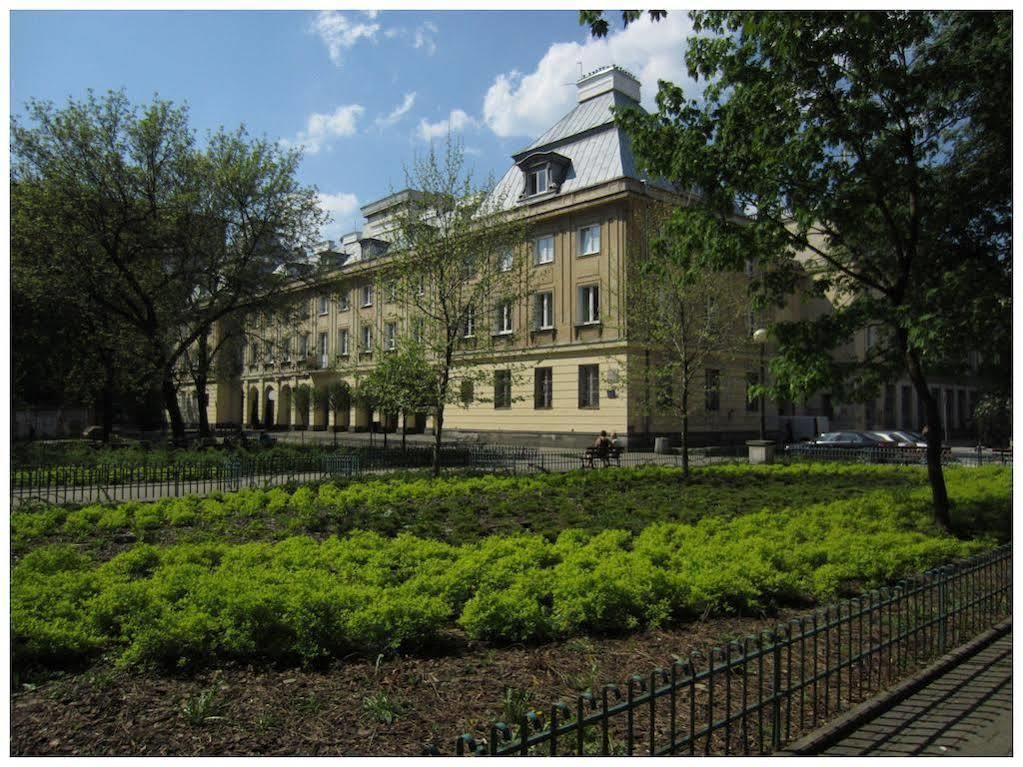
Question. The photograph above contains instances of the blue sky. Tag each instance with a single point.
(362, 92)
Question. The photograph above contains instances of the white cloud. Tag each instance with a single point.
(519, 104)
(343, 208)
(399, 111)
(322, 127)
(456, 122)
(423, 37)
(371, 14)
(338, 33)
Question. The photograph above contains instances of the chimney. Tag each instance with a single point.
(609, 78)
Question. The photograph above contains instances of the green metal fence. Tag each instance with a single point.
(754, 695)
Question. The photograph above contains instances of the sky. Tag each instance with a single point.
(362, 92)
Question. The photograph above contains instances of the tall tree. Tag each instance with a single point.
(687, 317)
(456, 260)
(870, 151)
(166, 235)
(402, 382)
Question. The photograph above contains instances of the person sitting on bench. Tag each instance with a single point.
(602, 448)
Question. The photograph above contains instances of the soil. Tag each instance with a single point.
(341, 710)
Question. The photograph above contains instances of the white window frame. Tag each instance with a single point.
(324, 306)
(592, 387)
(545, 310)
(323, 344)
(583, 250)
(367, 339)
(469, 330)
(506, 261)
(537, 256)
(503, 321)
(391, 334)
(589, 304)
(287, 349)
(303, 346)
(342, 342)
(367, 296)
(533, 178)
(343, 302)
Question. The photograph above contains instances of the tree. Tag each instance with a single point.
(165, 235)
(456, 258)
(870, 152)
(685, 316)
(303, 396)
(338, 396)
(402, 382)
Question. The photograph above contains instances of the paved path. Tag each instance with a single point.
(965, 712)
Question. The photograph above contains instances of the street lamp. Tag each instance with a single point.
(760, 339)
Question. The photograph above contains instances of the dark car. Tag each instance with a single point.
(847, 439)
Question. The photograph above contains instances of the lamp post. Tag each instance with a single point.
(760, 339)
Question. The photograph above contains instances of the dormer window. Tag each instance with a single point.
(542, 172)
(537, 181)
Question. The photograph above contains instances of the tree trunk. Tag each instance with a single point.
(404, 429)
(438, 426)
(935, 474)
(202, 397)
(685, 434)
(107, 402)
(170, 401)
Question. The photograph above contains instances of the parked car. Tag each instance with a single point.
(847, 439)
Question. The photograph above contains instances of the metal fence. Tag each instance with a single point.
(893, 455)
(752, 696)
(151, 481)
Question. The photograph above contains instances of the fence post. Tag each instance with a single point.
(942, 609)
(776, 696)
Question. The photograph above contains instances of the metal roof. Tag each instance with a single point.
(586, 116)
(598, 149)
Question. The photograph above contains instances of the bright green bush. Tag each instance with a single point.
(301, 600)
(464, 509)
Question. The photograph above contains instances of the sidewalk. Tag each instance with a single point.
(967, 711)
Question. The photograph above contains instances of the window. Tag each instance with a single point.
(544, 311)
(589, 304)
(505, 261)
(712, 389)
(343, 303)
(470, 322)
(543, 380)
(888, 406)
(303, 346)
(323, 305)
(749, 268)
(287, 349)
(544, 250)
(342, 342)
(323, 350)
(392, 292)
(468, 267)
(268, 352)
(665, 392)
(589, 240)
(503, 318)
(589, 386)
(391, 333)
(751, 322)
(367, 339)
(961, 408)
(421, 287)
(466, 392)
(367, 295)
(502, 389)
(418, 329)
(537, 181)
(752, 402)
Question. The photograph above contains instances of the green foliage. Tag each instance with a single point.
(461, 509)
(993, 417)
(381, 708)
(302, 600)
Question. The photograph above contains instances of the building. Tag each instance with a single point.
(579, 189)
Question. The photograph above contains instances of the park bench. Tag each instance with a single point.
(614, 455)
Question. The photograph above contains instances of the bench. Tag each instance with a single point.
(613, 455)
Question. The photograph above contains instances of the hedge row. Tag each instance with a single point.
(461, 509)
(303, 600)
